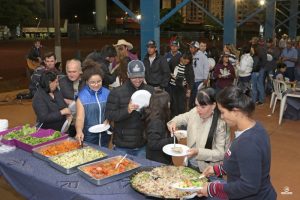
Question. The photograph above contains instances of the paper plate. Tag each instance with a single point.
(99, 128)
(66, 126)
(167, 149)
(185, 189)
(141, 98)
(211, 63)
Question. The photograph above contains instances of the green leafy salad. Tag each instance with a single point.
(36, 140)
(25, 130)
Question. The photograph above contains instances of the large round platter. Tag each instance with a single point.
(157, 181)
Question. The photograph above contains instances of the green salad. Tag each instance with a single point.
(25, 130)
(36, 140)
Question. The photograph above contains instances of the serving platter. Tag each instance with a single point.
(157, 181)
(67, 163)
(105, 171)
(56, 148)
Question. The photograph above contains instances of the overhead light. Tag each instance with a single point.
(262, 2)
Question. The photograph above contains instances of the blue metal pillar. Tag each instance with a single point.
(230, 9)
(293, 19)
(270, 20)
(150, 29)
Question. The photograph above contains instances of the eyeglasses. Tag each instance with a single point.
(93, 83)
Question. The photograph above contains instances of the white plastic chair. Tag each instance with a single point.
(283, 103)
(279, 88)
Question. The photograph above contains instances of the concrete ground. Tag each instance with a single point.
(284, 140)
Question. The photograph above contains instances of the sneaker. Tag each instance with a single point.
(259, 103)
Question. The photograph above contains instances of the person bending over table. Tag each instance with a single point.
(206, 132)
(247, 162)
(48, 103)
(91, 104)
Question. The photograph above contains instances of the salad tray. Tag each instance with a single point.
(67, 163)
(105, 171)
(40, 138)
(9, 136)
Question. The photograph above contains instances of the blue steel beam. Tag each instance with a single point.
(287, 19)
(208, 13)
(173, 11)
(293, 20)
(149, 23)
(230, 8)
(270, 20)
(123, 7)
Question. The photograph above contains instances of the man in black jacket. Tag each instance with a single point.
(157, 67)
(69, 87)
(128, 121)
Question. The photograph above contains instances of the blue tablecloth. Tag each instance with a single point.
(36, 179)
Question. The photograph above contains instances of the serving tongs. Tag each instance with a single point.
(202, 176)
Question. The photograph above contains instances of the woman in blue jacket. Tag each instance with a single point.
(91, 104)
(247, 162)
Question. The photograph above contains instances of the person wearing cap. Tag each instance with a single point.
(201, 70)
(123, 48)
(289, 56)
(128, 121)
(173, 56)
(157, 72)
(282, 41)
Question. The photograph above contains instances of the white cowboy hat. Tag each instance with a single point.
(124, 42)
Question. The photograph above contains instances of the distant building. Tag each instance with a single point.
(194, 15)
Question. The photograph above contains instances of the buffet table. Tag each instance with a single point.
(35, 179)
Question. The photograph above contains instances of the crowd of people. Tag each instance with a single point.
(200, 89)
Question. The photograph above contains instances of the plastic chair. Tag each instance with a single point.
(283, 103)
(279, 88)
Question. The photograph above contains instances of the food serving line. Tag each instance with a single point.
(48, 165)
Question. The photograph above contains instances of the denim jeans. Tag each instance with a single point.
(258, 88)
(139, 152)
(194, 94)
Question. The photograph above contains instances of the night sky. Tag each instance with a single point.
(84, 10)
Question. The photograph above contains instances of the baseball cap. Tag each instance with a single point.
(174, 43)
(151, 43)
(136, 69)
(195, 44)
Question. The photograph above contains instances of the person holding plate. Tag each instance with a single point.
(247, 162)
(128, 116)
(206, 132)
(91, 104)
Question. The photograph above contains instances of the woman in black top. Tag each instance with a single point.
(48, 103)
(156, 128)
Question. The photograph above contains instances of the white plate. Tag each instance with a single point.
(141, 98)
(211, 63)
(65, 127)
(185, 189)
(72, 107)
(99, 128)
(182, 133)
(167, 149)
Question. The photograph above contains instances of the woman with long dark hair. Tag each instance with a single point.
(247, 162)
(156, 128)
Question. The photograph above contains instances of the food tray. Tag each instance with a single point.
(41, 133)
(110, 162)
(70, 157)
(162, 177)
(37, 151)
(12, 141)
